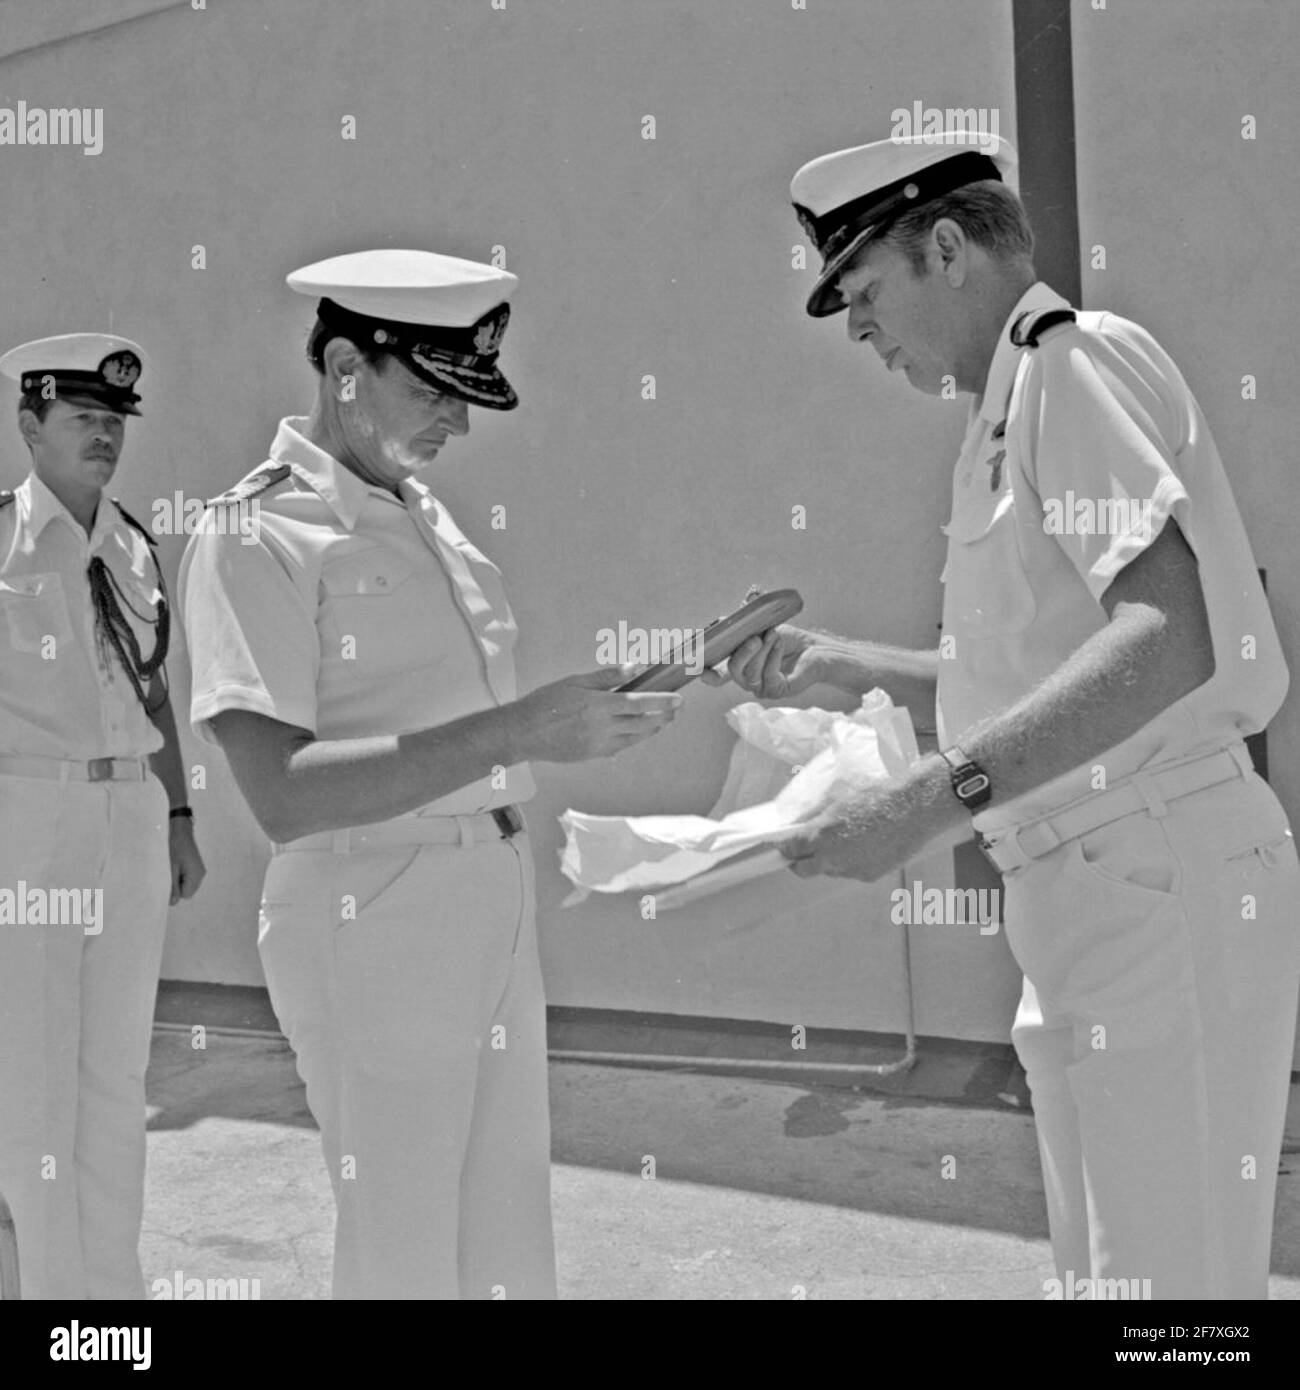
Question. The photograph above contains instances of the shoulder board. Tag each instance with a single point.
(251, 486)
(131, 521)
(6, 498)
(1029, 328)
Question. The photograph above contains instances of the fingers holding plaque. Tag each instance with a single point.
(758, 614)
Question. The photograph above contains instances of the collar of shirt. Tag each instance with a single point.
(1006, 356)
(338, 487)
(417, 495)
(41, 507)
(346, 494)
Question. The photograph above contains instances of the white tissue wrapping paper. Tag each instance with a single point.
(763, 800)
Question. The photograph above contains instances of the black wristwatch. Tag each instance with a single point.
(970, 783)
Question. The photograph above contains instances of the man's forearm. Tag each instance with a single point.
(1119, 680)
(329, 784)
(908, 677)
(166, 762)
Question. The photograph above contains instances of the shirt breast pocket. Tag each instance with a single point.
(141, 603)
(986, 590)
(373, 606)
(146, 596)
(33, 613)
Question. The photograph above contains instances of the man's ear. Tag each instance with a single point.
(29, 426)
(953, 250)
(344, 365)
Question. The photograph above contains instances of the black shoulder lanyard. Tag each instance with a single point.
(113, 627)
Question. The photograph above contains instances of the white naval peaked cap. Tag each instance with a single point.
(444, 317)
(419, 287)
(101, 366)
(846, 197)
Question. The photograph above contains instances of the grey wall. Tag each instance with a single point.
(478, 127)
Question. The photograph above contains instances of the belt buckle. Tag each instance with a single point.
(986, 849)
(1007, 842)
(508, 820)
(100, 770)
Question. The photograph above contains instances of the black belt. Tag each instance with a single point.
(508, 819)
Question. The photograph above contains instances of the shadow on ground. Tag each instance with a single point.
(886, 1156)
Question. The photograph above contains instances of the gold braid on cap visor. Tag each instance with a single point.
(453, 376)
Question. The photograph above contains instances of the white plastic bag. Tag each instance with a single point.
(763, 801)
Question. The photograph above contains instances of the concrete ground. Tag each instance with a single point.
(760, 1189)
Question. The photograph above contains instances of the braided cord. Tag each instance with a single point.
(112, 624)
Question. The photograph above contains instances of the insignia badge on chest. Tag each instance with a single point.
(995, 463)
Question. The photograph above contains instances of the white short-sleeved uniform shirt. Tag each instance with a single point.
(63, 691)
(1076, 455)
(347, 611)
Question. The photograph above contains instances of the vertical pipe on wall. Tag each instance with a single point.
(1045, 138)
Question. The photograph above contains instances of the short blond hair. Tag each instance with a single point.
(990, 214)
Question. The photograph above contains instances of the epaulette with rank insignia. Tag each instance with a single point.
(1028, 329)
(251, 486)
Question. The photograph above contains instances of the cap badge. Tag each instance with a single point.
(120, 369)
(807, 223)
(488, 338)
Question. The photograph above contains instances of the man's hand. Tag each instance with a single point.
(188, 869)
(781, 662)
(582, 717)
(879, 829)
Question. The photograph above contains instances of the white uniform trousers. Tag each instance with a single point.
(76, 1016)
(1162, 958)
(407, 981)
